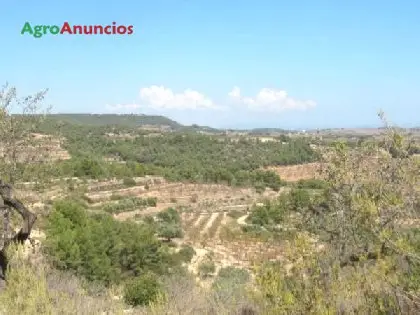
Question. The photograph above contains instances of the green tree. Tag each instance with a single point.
(170, 231)
(142, 290)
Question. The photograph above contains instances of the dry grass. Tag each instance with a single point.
(37, 289)
(294, 173)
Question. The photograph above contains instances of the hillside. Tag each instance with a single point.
(113, 119)
(208, 217)
(136, 219)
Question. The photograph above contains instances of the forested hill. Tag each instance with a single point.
(126, 120)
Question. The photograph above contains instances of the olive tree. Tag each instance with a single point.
(20, 149)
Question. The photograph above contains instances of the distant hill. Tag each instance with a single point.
(114, 119)
(202, 129)
(267, 131)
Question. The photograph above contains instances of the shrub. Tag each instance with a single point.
(170, 231)
(129, 182)
(169, 215)
(116, 197)
(194, 198)
(186, 253)
(259, 187)
(142, 290)
(149, 219)
(129, 204)
(299, 199)
(99, 248)
(206, 268)
(312, 184)
(151, 201)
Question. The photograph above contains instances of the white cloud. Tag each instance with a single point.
(270, 100)
(235, 93)
(159, 97)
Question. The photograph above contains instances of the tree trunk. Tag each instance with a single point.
(6, 203)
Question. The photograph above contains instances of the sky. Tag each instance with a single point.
(298, 64)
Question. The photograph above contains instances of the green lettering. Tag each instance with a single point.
(26, 28)
(38, 31)
(54, 30)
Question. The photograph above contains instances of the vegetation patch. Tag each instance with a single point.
(129, 204)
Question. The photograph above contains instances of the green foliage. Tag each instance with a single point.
(299, 200)
(186, 253)
(129, 182)
(169, 224)
(231, 276)
(177, 156)
(270, 213)
(311, 184)
(92, 166)
(259, 187)
(273, 213)
(170, 230)
(129, 204)
(367, 219)
(169, 215)
(100, 248)
(117, 121)
(115, 197)
(142, 290)
(206, 268)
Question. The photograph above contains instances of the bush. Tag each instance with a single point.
(129, 204)
(299, 200)
(194, 198)
(312, 184)
(259, 187)
(170, 231)
(270, 213)
(142, 290)
(186, 253)
(151, 201)
(169, 215)
(129, 182)
(149, 219)
(116, 197)
(99, 248)
(206, 269)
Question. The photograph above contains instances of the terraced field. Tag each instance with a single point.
(204, 209)
(293, 173)
(203, 233)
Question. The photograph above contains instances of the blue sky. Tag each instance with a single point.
(224, 63)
